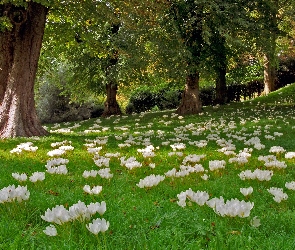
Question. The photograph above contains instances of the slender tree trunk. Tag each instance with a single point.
(269, 74)
(190, 101)
(111, 106)
(221, 91)
(19, 54)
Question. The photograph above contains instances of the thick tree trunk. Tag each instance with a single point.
(269, 74)
(19, 54)
(190, 102)
(111, 106)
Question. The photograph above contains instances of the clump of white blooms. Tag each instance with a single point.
(199, 197)
(50, 230)
(267, 158)
(193, 158)
(79, 211)
(277, 150)
(290, 185)
(105, 173)
(246, 191)
(275, 164)
(278, 194)
(216, 164)
(147, 152)
(56, 152)
(178, 146)
(19, 177)
(231, 208)
(94, 150)
(255, 141)
(12, 193)
(26, 146)
(91, 173)
(98, 225)
(37, 176)
(130, 163)
(290, 155)
(101, 161)
(150, 181)
(56, 162)
(93, 190)
(57, 166)
(261, 175)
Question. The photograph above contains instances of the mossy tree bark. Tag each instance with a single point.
(19, 54)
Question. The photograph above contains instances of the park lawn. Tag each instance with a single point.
(151, 217)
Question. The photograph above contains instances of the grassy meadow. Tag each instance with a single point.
(151, 217)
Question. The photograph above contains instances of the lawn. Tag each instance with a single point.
(168, 182)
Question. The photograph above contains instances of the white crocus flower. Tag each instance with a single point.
(98, 225)
(246, 191)
(50, 230)
(37, 176)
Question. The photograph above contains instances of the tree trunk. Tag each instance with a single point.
(190, 101)
(19, 54)
(111, 106)
(221, 91)
(269, 74)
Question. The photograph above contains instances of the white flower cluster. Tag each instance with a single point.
(93, 190)
(151, 180)
(255, 141)
(231, 208)
(147, 152)
(130, 163)
(94, 150)
(37, 176)
(261, 175)
(200, 197)
(57, 166)
(290, 185)
(277, 149)
(79, 211)
(26, 146)
(290, 155)
(278, 194)
(184, 171)
(246, 191)
(98, 225)
(178, 146)
(50, 230)
(101, 160)
(192, 158)
(275, 164)
(12, 193)
(216, 164)
(19, 177)
(104, 173)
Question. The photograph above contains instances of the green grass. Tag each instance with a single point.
(150, 218)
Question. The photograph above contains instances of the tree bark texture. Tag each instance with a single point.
(19, 54)
(220, 82)
(190, 101)
(269, 74)
(111, 106)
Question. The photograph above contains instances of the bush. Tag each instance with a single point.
(141, 100)
(53, 107)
